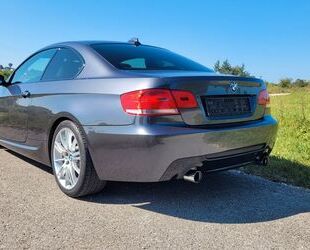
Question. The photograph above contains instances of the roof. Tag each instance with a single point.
(88, 42)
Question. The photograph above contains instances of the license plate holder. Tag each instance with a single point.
(227, 106)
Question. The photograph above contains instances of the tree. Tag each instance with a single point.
(227, 68)
(285, 83)
(300, 83)
(6, 73)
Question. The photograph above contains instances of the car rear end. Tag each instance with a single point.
(207, 123)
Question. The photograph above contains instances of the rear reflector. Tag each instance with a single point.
(263, 98)
(152, 102)
(184, 99)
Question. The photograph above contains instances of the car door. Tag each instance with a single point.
(4, 110)
(8, 103)
(15, 101)
(54, 91)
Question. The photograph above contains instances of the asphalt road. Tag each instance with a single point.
(227, 211)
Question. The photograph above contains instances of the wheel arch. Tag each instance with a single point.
(54, 124)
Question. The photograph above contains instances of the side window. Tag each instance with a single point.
(33, 69)
(65, 65)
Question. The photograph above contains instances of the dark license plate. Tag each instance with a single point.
(227, 106)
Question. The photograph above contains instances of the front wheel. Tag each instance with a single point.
(71, 162)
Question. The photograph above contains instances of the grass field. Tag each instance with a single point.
(290, 159)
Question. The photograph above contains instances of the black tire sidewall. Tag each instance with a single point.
(83, 163)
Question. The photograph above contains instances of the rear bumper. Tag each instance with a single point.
(160, 152)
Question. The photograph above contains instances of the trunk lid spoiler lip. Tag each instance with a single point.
(189, 74)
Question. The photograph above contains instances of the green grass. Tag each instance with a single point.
(290, 159)
(273, 88)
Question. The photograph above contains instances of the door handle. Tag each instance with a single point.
(26, 94)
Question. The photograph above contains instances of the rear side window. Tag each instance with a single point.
(131, 57)
(65, 65)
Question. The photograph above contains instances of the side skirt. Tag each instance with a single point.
(33, 149)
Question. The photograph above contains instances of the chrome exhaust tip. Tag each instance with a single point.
(264, 160)
(193, 176)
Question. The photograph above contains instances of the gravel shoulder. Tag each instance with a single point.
(228, 210)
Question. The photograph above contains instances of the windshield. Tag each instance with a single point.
(131, 57)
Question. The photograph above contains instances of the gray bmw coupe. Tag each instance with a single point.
(97, 111)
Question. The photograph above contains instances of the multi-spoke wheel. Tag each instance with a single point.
(71, 162)
(66, 158)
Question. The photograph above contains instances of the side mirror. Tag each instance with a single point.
(2, 81)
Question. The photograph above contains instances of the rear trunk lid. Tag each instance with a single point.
(221, 99)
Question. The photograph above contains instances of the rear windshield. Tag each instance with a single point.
(131, 57)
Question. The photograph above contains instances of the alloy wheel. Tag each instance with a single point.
(66, 158)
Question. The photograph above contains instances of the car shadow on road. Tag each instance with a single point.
(225, 197)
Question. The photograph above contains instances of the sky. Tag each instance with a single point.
(272, 38)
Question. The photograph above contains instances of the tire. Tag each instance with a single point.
(72, 165)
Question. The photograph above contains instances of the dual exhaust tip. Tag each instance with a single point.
(193, 176)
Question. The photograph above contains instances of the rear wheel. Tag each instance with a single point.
(72, 165)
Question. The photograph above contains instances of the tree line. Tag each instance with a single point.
(226, 68)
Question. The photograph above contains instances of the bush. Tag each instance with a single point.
(301, 83)
(285, 83)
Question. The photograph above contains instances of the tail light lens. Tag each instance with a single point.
(184, 99)
(152, 102)
(263, 98)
